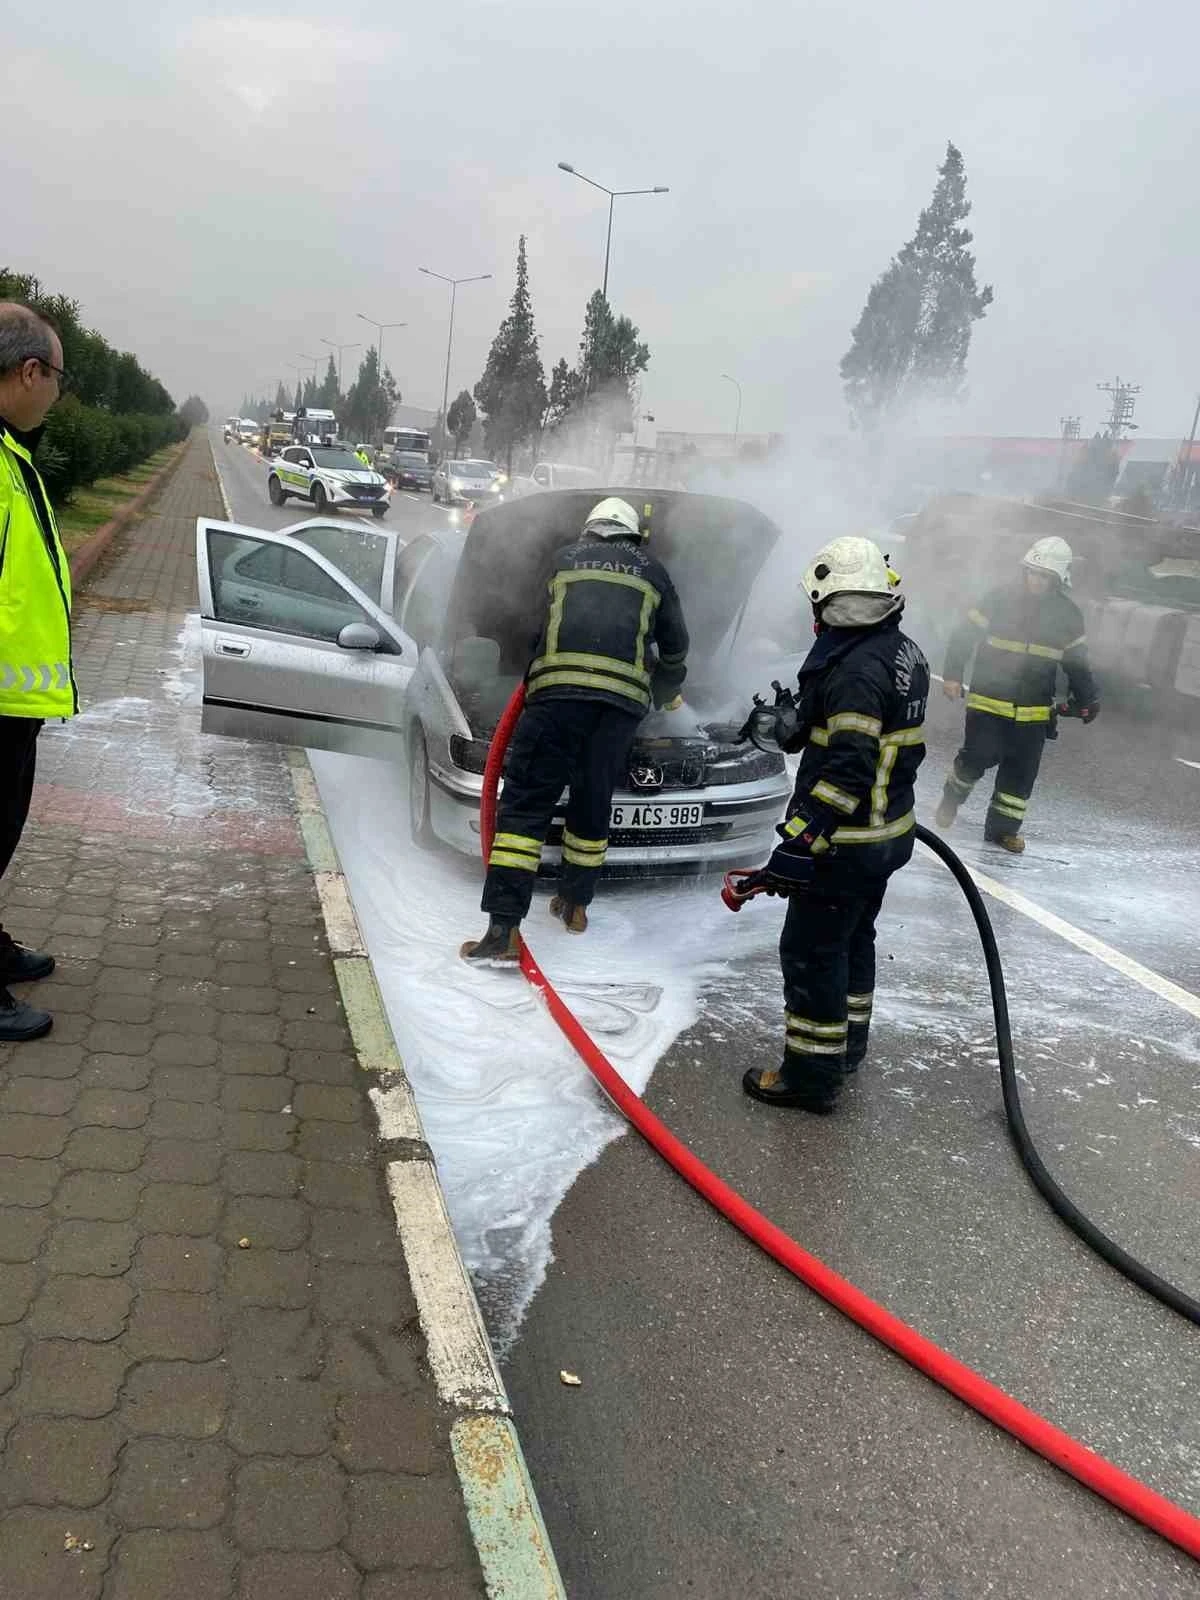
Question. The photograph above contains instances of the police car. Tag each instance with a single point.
(328, 475)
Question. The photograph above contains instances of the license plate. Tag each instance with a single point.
(656, 816)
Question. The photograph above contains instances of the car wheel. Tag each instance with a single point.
(378, 512)
(419, 824)
(320, 499)
(275, 491)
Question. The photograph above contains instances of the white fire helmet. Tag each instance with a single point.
(1052, 555)
(614, 519)
(849, 565)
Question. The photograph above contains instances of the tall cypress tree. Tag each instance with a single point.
(912, 339)
(512, 392)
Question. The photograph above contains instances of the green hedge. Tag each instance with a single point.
(82, 443)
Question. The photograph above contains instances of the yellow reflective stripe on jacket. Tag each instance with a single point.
(853, 722)
(875, 835)
(1006, 708)
(818, 736)
(883, 776)
(594, 575)
(1074, 644)
(590, 680)
(1019, 647)
(977, 617)
(833, 796)
(905, 736)
(578, 658)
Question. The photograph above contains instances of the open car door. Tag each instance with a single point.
(293, 651)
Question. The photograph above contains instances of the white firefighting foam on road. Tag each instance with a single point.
(510, 1111)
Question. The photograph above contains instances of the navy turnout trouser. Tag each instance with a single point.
(580, 745)
(1015, 749)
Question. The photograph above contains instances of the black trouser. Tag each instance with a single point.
(582, 745)
(1015, 748)
(827, 953)
(18, 756)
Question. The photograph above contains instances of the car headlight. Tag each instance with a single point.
(456, 485)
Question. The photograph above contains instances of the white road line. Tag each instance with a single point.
(1125, 965)
(1183, 760)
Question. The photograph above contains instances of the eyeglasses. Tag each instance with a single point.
(63, 377)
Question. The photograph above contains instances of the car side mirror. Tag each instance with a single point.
(358, 636)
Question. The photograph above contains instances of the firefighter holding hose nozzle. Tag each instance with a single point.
(858, 717)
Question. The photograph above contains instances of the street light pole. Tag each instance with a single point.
(737, 426)
(613, 195)
(379, 327)
(454, 283)
(339, 348)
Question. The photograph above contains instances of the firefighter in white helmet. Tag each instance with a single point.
(858, 717)
(613, 641)
(1021, 635)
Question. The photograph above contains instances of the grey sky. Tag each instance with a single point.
(221, 189)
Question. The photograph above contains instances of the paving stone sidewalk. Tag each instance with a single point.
(183, 1416)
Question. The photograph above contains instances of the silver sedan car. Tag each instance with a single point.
(346, 638)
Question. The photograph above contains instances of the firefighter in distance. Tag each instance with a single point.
(1021, 634)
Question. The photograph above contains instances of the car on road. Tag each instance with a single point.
(230, 429)
(561, 475)
(249, 431)
(341, 637)
(471, 482)
(328, 475)
(408, 469)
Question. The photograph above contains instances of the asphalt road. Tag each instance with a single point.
(732, 1434)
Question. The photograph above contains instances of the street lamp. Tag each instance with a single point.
(737, 426)
(339, 348)
(613, 194)
(454, 283)
(380, 328)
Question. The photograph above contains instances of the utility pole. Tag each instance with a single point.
(1069, 432)
(1123, 398)
(1185, 477)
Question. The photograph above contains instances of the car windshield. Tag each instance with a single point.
(336, 459)
(475, 469)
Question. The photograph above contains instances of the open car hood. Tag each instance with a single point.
(713, 548)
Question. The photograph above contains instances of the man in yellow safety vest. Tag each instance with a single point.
(36, 678)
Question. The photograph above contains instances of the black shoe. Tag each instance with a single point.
(18, 965)
(19, 1022)
(767, 1084)
(499, 947)
(572, 916)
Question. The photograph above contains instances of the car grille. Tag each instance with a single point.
(365, 491)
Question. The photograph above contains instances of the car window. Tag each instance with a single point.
(408, 564)
(540, 475)
(278, 587)
(428, 598)
(357, 552)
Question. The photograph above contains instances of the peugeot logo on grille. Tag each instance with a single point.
(646, 777)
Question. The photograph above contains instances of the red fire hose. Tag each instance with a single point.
(1057, 1447)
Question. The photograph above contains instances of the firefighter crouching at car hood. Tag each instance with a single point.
(1021, 634)
(612, 641)
(858, 717)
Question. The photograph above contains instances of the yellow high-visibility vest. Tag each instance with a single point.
(36, 679)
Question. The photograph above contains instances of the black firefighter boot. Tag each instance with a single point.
(499, 947)
(818, 1092)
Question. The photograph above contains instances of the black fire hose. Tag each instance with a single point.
(1046, 1186)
